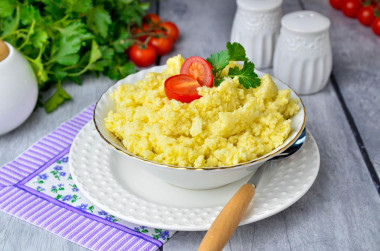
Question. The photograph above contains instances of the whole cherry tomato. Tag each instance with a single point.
(171, 30)
(152, 18)
(162, 44)
(182, 88)
(142, 56)
(366, 15)
(350, 8)
(336, 4)
(376, 26)
(199, 69)
(145, 27)
(136, 31)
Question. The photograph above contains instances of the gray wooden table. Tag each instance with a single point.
(342, 209)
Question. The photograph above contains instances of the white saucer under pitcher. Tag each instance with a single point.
(18, 88)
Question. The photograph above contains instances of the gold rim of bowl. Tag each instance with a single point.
(260, 159)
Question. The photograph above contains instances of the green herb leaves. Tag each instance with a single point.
(247, 77)
(68, 43)
(218, 61)
(56, 99)
(64, 39)
(235, 52)
(98, 20)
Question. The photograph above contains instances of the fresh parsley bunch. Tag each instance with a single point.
(63, 39)
(235, 52)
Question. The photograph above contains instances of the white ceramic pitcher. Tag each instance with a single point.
(18, 88)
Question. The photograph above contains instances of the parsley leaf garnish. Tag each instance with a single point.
(235, 52)
(219, 60)
(247, 77)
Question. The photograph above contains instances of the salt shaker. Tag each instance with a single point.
(18, 88)
(303, 56)
(256, 26)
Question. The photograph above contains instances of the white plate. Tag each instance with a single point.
(128, 192)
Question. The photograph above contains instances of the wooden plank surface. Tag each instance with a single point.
(356, 67)
(340, 212)
(324, 218)
(209, 28)
(15, 234)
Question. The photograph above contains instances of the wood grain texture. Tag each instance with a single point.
(39, 123)
(356, 65)
(329, 216)
(228, 220)
(16, 234)
(340, 212)
(204, 25)
(19, 235)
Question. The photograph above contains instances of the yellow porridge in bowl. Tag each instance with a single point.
(228, 125)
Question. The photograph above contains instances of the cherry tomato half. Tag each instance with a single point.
(151, 18)
(376, 26)
(350, 8)
(171, 30)
(162, 44)
(199, 69)
(182, 88)
(336, 4)
(366, 15)
(142, 56)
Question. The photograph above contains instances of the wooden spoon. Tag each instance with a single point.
(228, 220)
(4, 50)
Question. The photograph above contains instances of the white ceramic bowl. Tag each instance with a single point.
(189, 177)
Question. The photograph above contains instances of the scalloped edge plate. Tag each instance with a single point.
(106, 178)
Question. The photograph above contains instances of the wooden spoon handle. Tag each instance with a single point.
(228, 219)
(4, 50)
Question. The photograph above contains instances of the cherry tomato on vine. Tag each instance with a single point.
(145, 27)
(136, 31)
(366, 15)
(336, 4)
(376, 26)
(142, 56)
(163, 45)
(350, 8)
(182, 88)
(199, 69)
(152, 18)
(171, 30)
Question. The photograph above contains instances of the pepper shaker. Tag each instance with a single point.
(256, 26)
(303, 56)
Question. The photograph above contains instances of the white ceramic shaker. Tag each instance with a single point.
(256, 26)
(303, 56)
(18, 88)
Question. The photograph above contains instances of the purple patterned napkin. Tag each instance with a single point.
(37, 187)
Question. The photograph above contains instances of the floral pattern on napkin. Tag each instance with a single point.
(56, 182)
